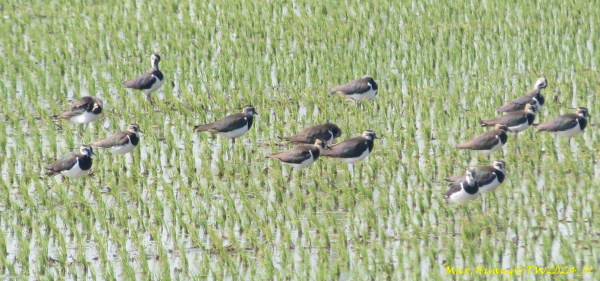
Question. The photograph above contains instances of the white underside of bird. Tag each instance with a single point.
(75, 171)
(84, 118)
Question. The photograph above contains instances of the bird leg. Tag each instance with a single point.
(150, 99)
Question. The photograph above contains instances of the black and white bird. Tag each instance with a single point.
(488, 178)
(516, 121)
(149, 81)
(359, 90)
(487, 142)
(73, 164)
(327, 132)
(300, 156)
(83, 110)
(121, 142)
(232, 126)
(353, 150)
(464, 191)
(568, 125)
(520, 102)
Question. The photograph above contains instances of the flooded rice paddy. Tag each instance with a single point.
(186, 205)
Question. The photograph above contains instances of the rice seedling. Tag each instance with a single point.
(185, 205)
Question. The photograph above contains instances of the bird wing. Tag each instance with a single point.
(559, 123)
(144, 82)
(484, 141)
(510, 119)
(485, 175)
(229, 123)
(350, 148)
(518, 103)
(454, 187)
(66, 162)
(77, 107)
(358, 86)
(295, 155)
(310, 135)
(117, 139)
(453, 179)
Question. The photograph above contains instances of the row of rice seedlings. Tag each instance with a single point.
(423, 178)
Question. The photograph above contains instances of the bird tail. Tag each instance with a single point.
(541, 127)
(333, 91)
(50, 172)
(452, 179)
(485, 123)
(60, 116)
(129, 84)
(202, 128)
(504, 108)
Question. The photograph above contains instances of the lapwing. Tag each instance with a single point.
(327, 132)
(232, 126)
(516, 121)
(464, 191)
(83, 110)
(121, 142)
(353, 150)
(359, 90)
(301, 156)
(568, 125)
(487, 142)
(73, 164)
(149, 81)
(520, 102)
(488, 178)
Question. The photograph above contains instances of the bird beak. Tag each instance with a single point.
(141, 131)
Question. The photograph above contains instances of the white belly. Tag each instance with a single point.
(364, 155)
(84, 118)
(570, 132)
(490, 186)
(122, 149)
(75, 172)
(463, 197)
(235, 133)
(519, 128)
(371, 94)
(155, 86)
(495, 148)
